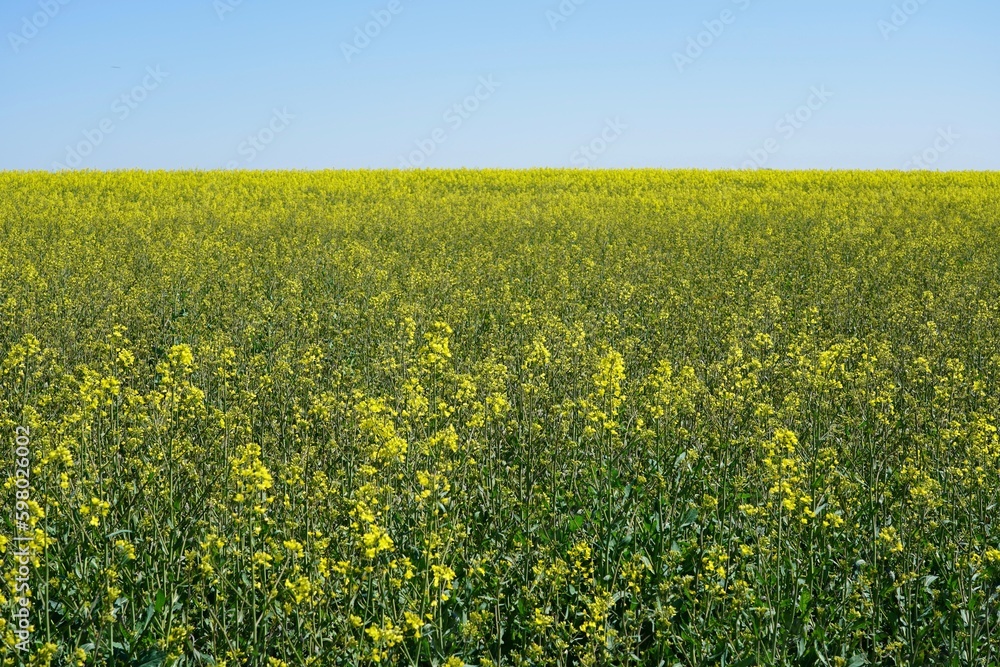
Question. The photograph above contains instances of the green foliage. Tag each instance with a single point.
(503, 418)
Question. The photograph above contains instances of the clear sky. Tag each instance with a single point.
(208, 84)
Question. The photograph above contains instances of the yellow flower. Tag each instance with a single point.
(295, 547)
(888, 538)
(443, 575)
(414, 623)
(300, 588)
(127, 549)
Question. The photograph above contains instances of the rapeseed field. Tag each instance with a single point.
(500, 418)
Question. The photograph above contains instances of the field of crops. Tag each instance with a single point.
(500, 418)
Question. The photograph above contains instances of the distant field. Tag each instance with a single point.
(501, 418)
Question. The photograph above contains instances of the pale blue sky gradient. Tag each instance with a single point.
(606, 78)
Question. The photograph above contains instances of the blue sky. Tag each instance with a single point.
(208, 84)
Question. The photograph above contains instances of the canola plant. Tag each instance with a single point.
(500, 418)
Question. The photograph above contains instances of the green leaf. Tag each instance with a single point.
(689, 517)
(141, 628)
(804, 599)
(153, 658)
(160, 601)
